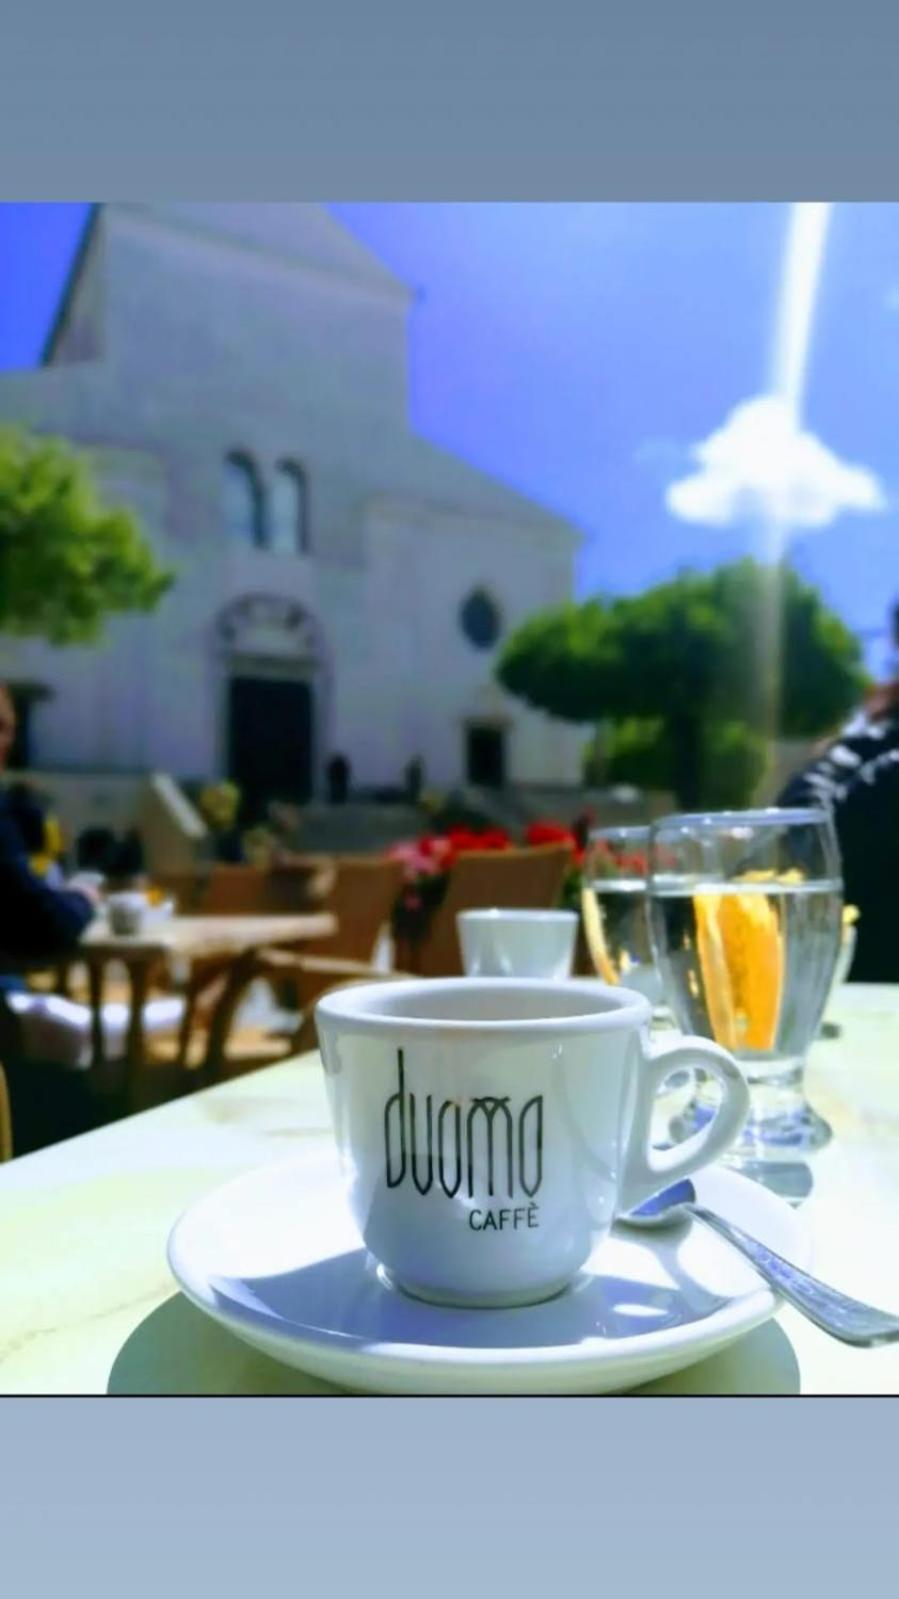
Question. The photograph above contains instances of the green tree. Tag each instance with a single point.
(66, 559)
(697, 674)
(732, 759)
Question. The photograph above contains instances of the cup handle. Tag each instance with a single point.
(648, 1170)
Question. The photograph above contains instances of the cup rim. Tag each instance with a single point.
(627, 1008)
(495, 913)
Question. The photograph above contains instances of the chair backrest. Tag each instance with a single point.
(306, 1036)
(184, 888)
(286, 890)
(224, 890)
(527, 879)
(362, 899)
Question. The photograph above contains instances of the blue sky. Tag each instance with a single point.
(583, 351)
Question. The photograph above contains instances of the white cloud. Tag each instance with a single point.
(760, 467)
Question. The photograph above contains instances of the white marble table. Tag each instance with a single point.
(87, 1304)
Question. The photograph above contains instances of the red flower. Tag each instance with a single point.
(432, 855)
(494, 838)
(435, 849)
(462, 839)
(423, 857)
(548, 832)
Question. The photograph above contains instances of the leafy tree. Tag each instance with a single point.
(701, 670)
(66, 560)
(732, 759)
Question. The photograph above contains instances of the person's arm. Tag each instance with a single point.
(37, 921)
(857, 756)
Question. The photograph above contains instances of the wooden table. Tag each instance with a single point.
(88, 1305)
(190, 937)
(184, 941)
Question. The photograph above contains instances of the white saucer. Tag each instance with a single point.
(275, 1257)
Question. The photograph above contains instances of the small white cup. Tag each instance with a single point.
(517, 943)
(490, 1130)
(127, 913)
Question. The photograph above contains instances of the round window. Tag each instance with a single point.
(480, 620)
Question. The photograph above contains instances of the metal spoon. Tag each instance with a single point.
(835, 1313)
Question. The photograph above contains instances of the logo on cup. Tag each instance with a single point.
(422, 1146)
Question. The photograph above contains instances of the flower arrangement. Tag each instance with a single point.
(426, 865)
(427, 862)
(219, 804)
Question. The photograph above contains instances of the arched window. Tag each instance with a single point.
(480, 620)
(290, 509)
(244, 499)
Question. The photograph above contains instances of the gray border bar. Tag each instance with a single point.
(502, 100)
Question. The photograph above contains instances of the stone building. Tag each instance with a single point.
(239, 376)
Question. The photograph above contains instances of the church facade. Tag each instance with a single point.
(238, 375)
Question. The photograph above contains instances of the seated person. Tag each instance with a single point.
(856, 777)
(37, 922)
(95, 851)
(38, 830)
(36, 919)
(44, 1036)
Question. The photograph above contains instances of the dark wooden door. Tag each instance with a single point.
(270, 741)
(485, 756)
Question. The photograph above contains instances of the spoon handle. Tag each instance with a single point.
(835, 1313)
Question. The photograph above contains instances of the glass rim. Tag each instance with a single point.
(785, 815)
(626, 830)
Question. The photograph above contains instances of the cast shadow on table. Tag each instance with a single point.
(178, 1350)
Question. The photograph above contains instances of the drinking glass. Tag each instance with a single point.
(614, 909)
(745, 911)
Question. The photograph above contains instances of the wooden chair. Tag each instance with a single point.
(39, 1103)
(521, 878)
(206, 1049)
(208, 1044)
(184, 889)
(220, 1050)
(286, 889)
(173, 1061)
(5, 1120)
(362, 899)
(289, 888)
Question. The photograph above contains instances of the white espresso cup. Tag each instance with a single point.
(517, 943)
(490, 1130)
